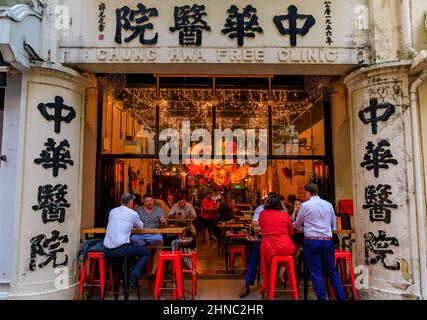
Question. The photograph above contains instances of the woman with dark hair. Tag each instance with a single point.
(277, 230)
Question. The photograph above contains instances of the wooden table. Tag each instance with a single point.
(177, 231)
(180, 219)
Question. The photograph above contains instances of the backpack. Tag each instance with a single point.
(90, 246)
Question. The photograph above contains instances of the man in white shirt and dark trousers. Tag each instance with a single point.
(319, 220)
(121, 221)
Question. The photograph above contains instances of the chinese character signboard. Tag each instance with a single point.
(292, 31)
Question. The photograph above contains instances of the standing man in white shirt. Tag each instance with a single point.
(319, 220)
(121, 221)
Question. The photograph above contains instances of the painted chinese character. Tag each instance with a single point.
(240, 25)
(55, 157)
(48, 248)
(51, 200)
(58, 108)
(189, 21)
(370, 114)
(101, 16)
(377, 249)
(377, 158)
(292, 17)
(137, 22)
(378, 202)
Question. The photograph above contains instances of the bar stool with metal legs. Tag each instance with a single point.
(288, 261)
(91, 259)
(122, 270)
(345, 258)
(234, 250)
(178, 288)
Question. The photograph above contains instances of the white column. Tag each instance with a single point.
(38, 237)
(384, 198)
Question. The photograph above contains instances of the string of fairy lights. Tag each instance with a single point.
(235, 108)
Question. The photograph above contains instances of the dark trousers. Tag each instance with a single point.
(253, 263)
(128, 250)
(319, 254)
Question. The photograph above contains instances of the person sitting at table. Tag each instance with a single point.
(170, 201)
(182, 209)
(137, 202)
(153, 218)
(224, 211)
(121, 221)
(290, 203)
(319, 220)
(208, 216)
(277, 230)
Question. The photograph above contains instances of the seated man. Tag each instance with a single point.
(153, 218)
(121, 221)
(182, 209)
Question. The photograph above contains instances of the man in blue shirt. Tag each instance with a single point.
(319, 220)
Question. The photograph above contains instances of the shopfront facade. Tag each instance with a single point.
(76, 73)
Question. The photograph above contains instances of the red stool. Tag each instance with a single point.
(343, 256)
(288, 261)
(174, 257)
(236, 249)
(193, 271)
(92, 257)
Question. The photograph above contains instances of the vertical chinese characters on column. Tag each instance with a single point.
(51, 199)
(378, 197)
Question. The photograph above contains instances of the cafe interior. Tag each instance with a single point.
(133, 112)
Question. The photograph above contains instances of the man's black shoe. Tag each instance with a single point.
(152, 277)
(133, 282)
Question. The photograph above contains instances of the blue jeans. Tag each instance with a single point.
(253, 263)
(127, 250)
(143, 239)
(318, 254)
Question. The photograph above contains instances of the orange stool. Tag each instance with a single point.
(236, 249)
(193, 271)
(92, 257)
(174, 257)
(288, 261)
(343, 256)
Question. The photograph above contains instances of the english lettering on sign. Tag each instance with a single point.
(187, 55)
(126, 54)
(240, 55)
(310, 55)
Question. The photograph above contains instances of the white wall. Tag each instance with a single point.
(8, 174)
